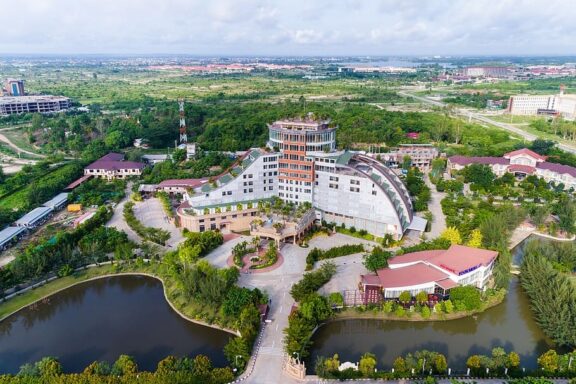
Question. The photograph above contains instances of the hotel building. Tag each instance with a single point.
(301, 165)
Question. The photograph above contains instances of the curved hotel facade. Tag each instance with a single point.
(301, 164)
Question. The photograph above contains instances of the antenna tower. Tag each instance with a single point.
(183, 136)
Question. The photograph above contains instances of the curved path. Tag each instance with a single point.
(6, 140)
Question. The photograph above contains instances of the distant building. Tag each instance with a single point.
(155, 159)
(14, 87)
(421, 155)
(532, 105)
(433, 272)
(112, 166)
(32, 104)
(520, 163)
(487, 71)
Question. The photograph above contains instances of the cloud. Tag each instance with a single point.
(279, 27)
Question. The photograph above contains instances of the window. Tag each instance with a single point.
(202, 228)
(374, 193)
(355, 182)
(354, 189)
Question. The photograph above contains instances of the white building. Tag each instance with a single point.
(112, 166)
(532, 105)
(344, 187)
(520, 163)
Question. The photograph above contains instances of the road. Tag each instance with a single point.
(435, 207)
(466, 113)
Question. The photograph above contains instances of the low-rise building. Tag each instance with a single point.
(10, 235)
(520, 163)
(34, 218)
(112, 166)
(57, 202)
(433, 272)
(421, 155)
(173, 186)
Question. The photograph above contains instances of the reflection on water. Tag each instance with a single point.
(102, 319)
(509, 325)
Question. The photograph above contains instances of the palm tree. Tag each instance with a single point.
(256, 243)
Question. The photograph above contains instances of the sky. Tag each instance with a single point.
(289, 27)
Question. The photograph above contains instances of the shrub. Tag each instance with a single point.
(312, 281)
(467, 297)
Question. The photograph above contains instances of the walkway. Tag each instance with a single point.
(434, 206)
(117, 221)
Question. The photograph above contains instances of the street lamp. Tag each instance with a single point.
(423, 365)
(236, 362)
(297, 356)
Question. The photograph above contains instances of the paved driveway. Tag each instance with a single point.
(434, 206)
(277, 283)
(151, 213)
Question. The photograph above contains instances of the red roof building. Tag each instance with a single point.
(433, 271)
(112, 166)
(521, 163)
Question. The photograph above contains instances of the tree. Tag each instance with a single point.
(125, 365)
(513, 360)
(422, 297)
(332, 363)
(448, 306)
(440, 364)
(377, 259)
(474, 362)
(566, 210)
(539, 214)
(468, 295)
(367, 364)
(237, 352)
(179, 155)
(480, 174)
(49, 366)
(167, 365)
(315, 307)
(548, 361)
(475, 240)
(405, 297)
(400, 365)
(406, 162)
(452, 234)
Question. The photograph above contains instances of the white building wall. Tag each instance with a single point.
(258, 181)
(357, 202)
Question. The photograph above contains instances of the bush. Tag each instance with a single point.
(312, 281)
(466, 297)
(317, 254)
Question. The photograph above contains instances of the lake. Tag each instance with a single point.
(509, 325)
(102, 319)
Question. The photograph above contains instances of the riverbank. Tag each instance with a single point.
(354, 314)
(94, 272)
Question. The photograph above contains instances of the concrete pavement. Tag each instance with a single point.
(434, 206)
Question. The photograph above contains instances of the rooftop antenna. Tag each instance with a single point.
(183, 136)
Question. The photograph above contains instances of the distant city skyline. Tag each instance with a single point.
(294, 28)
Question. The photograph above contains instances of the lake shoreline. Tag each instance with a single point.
(103, 276)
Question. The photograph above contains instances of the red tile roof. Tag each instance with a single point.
(115, 165)
(185, 183)
(447, 283)
(521, 168)
(459, 258)
(113, 161)
(558, 168)
(415, 256)
(525, 151)
(408, 276)
(464, 160)
(76, 183)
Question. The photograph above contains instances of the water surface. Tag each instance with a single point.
(101, 319)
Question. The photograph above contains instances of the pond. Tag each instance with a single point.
(509, 325)
(102, 319)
